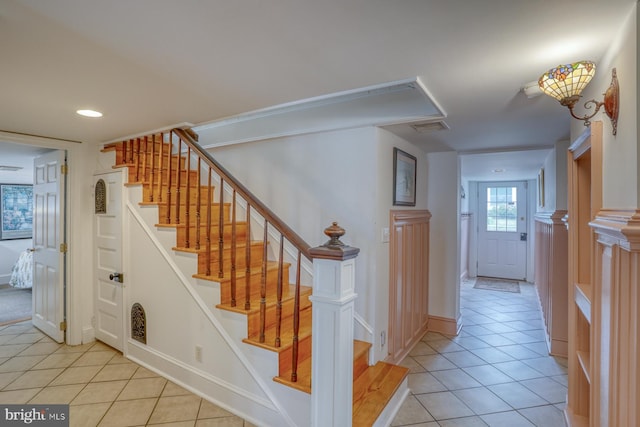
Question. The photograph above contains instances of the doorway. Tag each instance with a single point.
(502, 230)
(108, 276)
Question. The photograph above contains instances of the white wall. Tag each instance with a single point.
(621, 189)
(444, 249)
(386, 142)
(555, 179)
(344, 176)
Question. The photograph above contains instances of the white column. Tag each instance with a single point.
(332, 339)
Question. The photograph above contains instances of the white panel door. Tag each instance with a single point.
(48, 236)
(502, 226)
(108, 261)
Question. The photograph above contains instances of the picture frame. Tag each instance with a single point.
(404, 178)
(541, 188)
(16, 211)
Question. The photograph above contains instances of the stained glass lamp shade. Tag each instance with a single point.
(566, 82)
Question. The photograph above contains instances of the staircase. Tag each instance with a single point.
(217, 218)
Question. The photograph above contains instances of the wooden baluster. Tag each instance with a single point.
(263, 284)
(169, 157)
(233, 250)
(144, 160)
(187, 198)
(198, 204)
(130, 151)
(279, 292)
(124, 152)
(247, 277)
(221, 231)
(137, 143)
(153, 167)
(296, 324)
(160, 167)
(178, 185)
(209, 209)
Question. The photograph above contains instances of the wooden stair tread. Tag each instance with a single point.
(240, 274)
(303, 383)
(286, 333)
(288, 293)
(241, 246)
(373, 389)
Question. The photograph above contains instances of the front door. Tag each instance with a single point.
(49, 184)
(108, 259)
(502, 226)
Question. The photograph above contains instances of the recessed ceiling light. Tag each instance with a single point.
(498, 170)
(89, 113)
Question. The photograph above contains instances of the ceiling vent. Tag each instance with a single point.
(430, 126)
(10, 168)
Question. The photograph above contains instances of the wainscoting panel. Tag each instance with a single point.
(616, 323)
(551, 252)
(409, 280)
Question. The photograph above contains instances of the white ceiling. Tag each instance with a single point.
(148, 64)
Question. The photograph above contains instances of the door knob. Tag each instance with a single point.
(116, 277)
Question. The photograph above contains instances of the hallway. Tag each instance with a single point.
(497, 372)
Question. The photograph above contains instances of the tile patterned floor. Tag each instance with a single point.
(102, 387)
(497, 372)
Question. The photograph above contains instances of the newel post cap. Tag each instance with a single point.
(334, 248)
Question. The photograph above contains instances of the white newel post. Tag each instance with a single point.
(332, 337)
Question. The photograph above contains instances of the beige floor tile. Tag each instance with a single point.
(94, 358)
(18, 396)
(7, 378)
(57, 361)
(191, 423)
(100, 346)
(176, 408)
(99, 392)
(6, 337)
(119, 358)
(211, 410)
(33, 379)
(221, 422)
(128, 413)
(29, 338)
(62, 394)
(172, 389)
(115, 372)
(144, 373)
(78, 375)
(411, 412)
(20, 363)
(74, 348)
(87, 415)
(143, 388)
(10, 350)
(41, 348)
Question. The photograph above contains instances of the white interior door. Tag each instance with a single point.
(502, 226)
(108, 260)
(48, 239)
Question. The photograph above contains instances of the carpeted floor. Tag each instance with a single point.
(15, 304)
(502, 285)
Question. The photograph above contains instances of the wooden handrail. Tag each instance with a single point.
(255, 203)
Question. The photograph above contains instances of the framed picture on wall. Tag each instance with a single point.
(404, 178)
(16, 209)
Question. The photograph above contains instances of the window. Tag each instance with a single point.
(502, 209)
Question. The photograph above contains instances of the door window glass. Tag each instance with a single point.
(502, 209)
